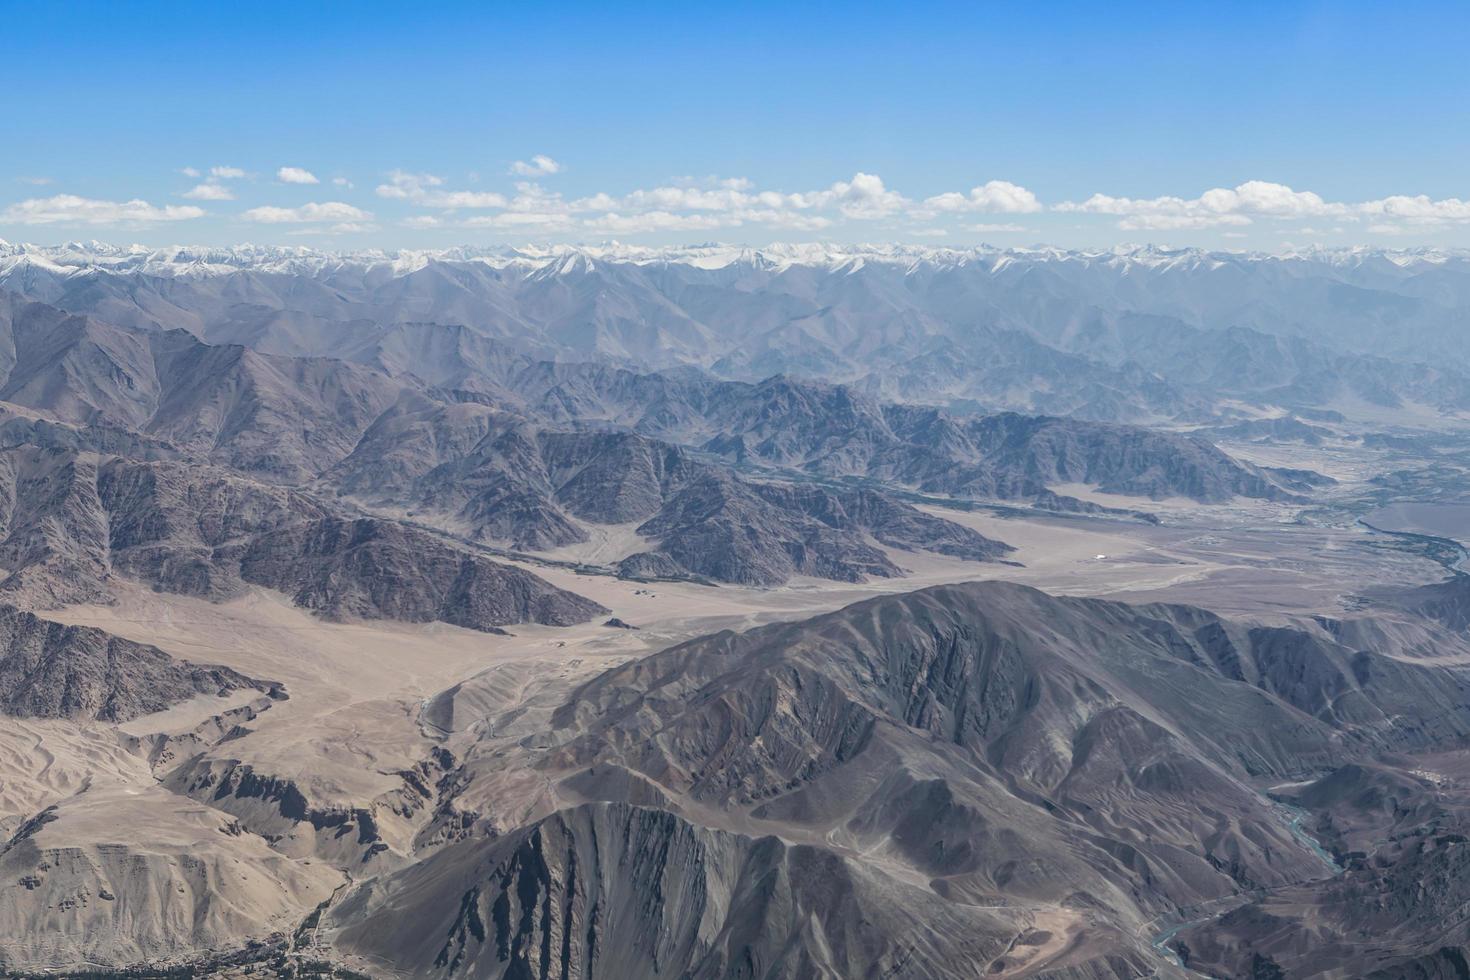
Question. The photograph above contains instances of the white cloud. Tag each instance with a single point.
(676, 198)
(189, 171)
(710, 203)
(699, 204)
(703, 205)
(70, 209)
(1218, 206)
(342, 228)
(296, 175)
(404, 186)
(533, 195)
(1264, 199)
(539, 166)
(424, 191)
(36, 181)
(1000, 196)
(722, 204)
(690, 204)
(864, 197)
(1418, 209)
(1157, 212)
(335, 211)
(208, 191)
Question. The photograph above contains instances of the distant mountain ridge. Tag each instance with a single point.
(727, 480)
(1031, 330)
(203, 260)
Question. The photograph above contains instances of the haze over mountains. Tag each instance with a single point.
(1127, 334)
(845, 612)
(519, 451)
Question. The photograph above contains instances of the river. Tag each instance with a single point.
(1293, 817)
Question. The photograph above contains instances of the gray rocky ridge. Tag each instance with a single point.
(51, 670)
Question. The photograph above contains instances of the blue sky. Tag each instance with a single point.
(1232, 125)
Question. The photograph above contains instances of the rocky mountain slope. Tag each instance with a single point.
(529, 456)
(609, 890)
(290, 418)
(1446, 602)
(377, 570)
(283, 418)
(1410, 891)
(49, 670)
(503, 479)
(839, 430)
(1023, 783)
(73, 521)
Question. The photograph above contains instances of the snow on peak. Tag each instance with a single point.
(75, 258)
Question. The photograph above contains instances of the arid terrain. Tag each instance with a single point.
(450, 651)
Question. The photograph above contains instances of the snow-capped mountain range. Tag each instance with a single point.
(1133, 333)
(211, 260)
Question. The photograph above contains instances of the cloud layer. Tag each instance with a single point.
(686, 205)
(863, 204)
(327, 211)
(1255, 199)
(70, 209)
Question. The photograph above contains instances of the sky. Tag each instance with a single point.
(377, 125)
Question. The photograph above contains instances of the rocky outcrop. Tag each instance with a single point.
(870, 717)
(168, 522)
(53, 528)
(1446, 602)
(954, 760)
(1012, 455)
(839, 431)
(285, 419)
(197, 886)
(374, 569)
(720, 528)
(71, 522)
(613, 891)
(531, 487)
(1395, 908)
(728, 530)
(49, 670)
